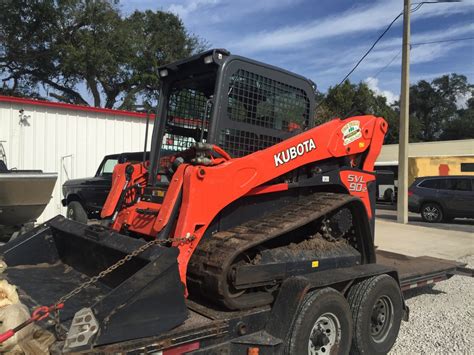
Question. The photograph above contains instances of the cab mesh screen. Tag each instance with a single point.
(187, 123)
(262, 102)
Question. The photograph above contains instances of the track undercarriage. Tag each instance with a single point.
(242, 267)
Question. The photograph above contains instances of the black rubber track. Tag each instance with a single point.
(211, 262)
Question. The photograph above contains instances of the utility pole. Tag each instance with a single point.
(402, 196)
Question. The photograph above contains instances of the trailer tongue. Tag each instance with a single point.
(141, 298)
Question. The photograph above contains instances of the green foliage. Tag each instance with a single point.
(65, 45)
(350, 99)
(433, 108)
(434, 111)
(462, 125)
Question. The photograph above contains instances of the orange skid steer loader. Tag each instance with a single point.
(241, 194)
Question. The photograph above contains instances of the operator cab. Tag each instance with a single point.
(237, 103)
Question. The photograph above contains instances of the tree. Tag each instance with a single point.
(350, 99)
(433, 106)
(435, 112)
(66, 46)
(461, 126)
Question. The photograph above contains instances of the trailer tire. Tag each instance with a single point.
(323, 324)
(377, 309)
(76, 212)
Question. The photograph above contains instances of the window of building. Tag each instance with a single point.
(467, 167)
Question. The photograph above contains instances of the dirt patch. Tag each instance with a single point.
(317, 242)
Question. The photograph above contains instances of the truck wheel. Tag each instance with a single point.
(431, 212)
(376, 305)
(76, 212)
(323, 325)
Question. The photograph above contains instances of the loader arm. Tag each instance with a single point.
(204, 191)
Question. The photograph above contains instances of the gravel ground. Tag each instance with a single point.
(441, 318)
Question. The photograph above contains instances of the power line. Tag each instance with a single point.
(443, 41)
(387, 65)
(370, 49)
(419, 44)
(417, 7)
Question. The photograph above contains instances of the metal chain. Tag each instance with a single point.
(111, 268)
(60, 333)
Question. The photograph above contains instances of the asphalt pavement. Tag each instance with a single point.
(389, 213)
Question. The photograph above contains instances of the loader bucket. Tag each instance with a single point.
(144, 297)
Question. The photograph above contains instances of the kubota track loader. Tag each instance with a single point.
(248, 228)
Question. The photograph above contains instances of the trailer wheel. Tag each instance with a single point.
(323, 325)
(376, 305)
(76, 212)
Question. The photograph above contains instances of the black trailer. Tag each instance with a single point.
(267, 330)
(141, 309)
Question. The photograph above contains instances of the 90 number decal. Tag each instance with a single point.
(356, 183)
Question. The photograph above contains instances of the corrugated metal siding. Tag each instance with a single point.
(70, 143)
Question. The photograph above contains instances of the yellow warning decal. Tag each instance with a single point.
(361, 144)
(315, 263)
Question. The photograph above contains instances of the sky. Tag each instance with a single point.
(324, 39)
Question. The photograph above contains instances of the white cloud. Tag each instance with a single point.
(373, 84)
(383, 55)
(461, 100)
(427, 36)
(355, 20)
(205, 12)
(189, 7)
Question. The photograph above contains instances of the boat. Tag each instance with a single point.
(24, 194)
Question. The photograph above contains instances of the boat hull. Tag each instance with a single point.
(24, 196)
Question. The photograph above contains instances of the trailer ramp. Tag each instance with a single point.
(415, 272)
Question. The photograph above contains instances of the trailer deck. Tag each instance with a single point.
(420, 271)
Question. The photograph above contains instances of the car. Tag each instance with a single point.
(85, 197)
(442, 198)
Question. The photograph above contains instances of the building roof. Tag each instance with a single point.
(463, 147)
(60, 105)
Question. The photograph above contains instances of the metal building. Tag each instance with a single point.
(68, 139)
